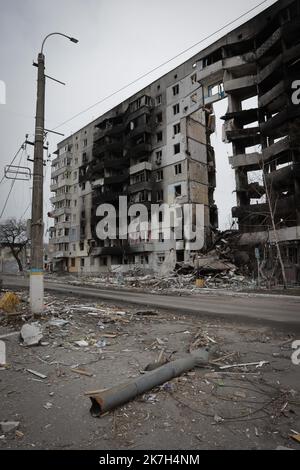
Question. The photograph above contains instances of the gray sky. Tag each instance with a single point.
(119, 41)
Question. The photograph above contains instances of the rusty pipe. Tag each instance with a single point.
(120, 394)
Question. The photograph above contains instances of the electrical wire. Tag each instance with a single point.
(161, 65)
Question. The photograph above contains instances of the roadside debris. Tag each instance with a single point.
(38, 374)
(57, 322)
(9, 301)
(82, 343)
(116, 396)
(295, 436)
(81, 372)
(257, 364)
(2, 355)
(48, 405)
(31, 334)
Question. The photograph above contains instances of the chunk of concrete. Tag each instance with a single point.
(31, 334)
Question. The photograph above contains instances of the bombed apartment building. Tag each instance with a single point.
(155, 148)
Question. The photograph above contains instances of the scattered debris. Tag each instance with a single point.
(81, 372)
(246, 364)
(2, 355)
(146, 313)
(19, 434)
(82, 343)
(48, 405)
(9, 301)
(57, 322)
(8, 426)
(8, 335)
(295, 436)
(31, 334)
(38, 374)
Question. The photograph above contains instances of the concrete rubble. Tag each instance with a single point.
(8, 426)
(31, 334)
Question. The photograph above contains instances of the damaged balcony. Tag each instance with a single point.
(279, 125)
(246, 137)
(107, 196)
(107, 144)
(252, 191)
(110, 127)
(245, 87)
(141, 186)
(282, 208)
(116, 178)
(242, 118)
(283, 178)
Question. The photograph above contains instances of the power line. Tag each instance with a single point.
(161, 65)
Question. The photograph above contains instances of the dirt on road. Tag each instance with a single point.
(240, 407)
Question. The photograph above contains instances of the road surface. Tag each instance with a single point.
(280, 310)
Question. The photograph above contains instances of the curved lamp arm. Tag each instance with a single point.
(59, 34)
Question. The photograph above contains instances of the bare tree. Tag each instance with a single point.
(272, 204)
(13, 234)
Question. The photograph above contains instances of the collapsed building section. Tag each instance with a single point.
(155, 148)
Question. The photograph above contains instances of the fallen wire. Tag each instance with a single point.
(244, 417)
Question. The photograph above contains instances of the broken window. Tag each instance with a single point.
(73, 260)
(158, 100)
(161, 237)
(176, 148)
(144, 259)
(82, 262)
(175, 90)
(159, 137)
(176, 128)
(159, 175)
(158, 157)
(159, 118)
(178, 169)
(85, 142)
(176, 109)
(81, 246)
(160, 196)
(103, 261)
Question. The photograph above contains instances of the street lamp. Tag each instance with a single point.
(37, 228)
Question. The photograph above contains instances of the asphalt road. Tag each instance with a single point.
(283, 311)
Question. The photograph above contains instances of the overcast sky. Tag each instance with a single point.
(119, 41)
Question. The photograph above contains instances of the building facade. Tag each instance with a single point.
(155, 148)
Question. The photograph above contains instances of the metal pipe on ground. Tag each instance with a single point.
(120, 394)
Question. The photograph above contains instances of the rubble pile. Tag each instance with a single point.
(223, 266)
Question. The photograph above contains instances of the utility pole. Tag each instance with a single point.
(37, 225)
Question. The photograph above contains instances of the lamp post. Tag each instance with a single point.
(37, 227)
